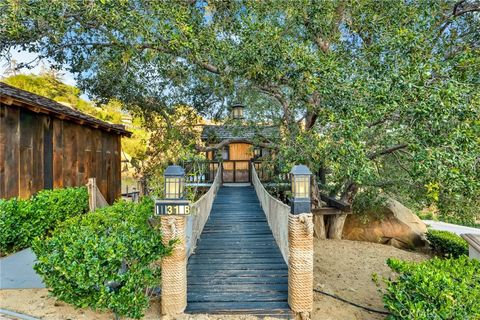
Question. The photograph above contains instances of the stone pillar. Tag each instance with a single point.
(174, 266)
(300, 264)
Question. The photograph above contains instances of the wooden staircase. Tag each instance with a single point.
(237, 267)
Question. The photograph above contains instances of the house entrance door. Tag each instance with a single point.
(236, 171)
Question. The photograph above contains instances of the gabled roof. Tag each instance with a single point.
(13, 96)
(218, 133)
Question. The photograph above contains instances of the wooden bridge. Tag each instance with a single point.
(247, 254)
(237, 266)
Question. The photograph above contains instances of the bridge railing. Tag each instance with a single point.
(201, 211)
(277, 214)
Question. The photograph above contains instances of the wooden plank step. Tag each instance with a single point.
(238, 273)
(207, 280)
(252, 296)
(220, 267)
(273, 307)
(238, 287)
(235, 260)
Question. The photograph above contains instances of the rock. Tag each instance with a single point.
(398, 227)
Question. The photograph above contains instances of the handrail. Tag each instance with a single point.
(276, 212)
(201, 211)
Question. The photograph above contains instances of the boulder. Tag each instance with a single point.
(397, 226)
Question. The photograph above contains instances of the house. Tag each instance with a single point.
(45, 145)
(236, 147)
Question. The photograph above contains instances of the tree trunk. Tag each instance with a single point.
(318, 220)
(335, 229)
(319, 226)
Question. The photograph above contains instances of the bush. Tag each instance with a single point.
(447, 243)
(434, 289)
(21, 221)
(113, 245)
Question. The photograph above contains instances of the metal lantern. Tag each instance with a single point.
(237, 111)
(300, 177)
(257, 152)
(174, 182)
(174, 202)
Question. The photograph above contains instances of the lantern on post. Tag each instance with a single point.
(257, 152)
(174, 202)
(300, 177)
(237, 111)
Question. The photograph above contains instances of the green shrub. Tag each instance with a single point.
(87, 253)
(21, 221)
(447, 243)
(434, 289)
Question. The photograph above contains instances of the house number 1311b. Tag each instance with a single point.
(172, 207)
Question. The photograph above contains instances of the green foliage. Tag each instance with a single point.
(21, 221)
(388, 90)
(434, 289)
(111, 245)
(447, 243)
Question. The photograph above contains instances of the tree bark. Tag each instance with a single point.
(335, 229)
(318, 220)
(319, 226)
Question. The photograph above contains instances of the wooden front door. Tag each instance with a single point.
(237, 167)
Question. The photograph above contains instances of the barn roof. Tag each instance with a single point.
(215, 132)
(13, 96)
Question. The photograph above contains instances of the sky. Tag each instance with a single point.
(24, 57)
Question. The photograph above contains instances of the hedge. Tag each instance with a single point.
(104, 260)
(21, 221)
(434, 289)
(447, 243)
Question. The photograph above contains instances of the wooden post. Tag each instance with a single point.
(174, 266)
(300, 264)
(92, 194)
(95, 197)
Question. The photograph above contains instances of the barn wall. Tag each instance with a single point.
(38, 152)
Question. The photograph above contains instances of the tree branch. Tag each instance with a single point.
(387, 150)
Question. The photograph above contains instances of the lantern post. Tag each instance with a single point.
(300, 244)
(171, 217)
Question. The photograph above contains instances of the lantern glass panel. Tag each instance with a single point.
(173, 187)
(301, 186)
(238, 112)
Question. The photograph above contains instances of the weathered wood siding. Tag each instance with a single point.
(38, 152)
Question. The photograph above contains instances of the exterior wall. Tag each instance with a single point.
(240, 151)
(39, 152)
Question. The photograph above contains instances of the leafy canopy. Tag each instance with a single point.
(384, 94)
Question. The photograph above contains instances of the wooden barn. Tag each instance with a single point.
(45, 145)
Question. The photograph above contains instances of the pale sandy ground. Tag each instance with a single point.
(343, 268)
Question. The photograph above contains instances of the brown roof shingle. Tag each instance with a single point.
(38, 103)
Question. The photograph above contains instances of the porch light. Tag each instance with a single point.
(174, 182)
(300, 177)
(237, 111)
(174, 202)
(257, 152)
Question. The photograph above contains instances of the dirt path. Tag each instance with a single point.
(343, 268)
